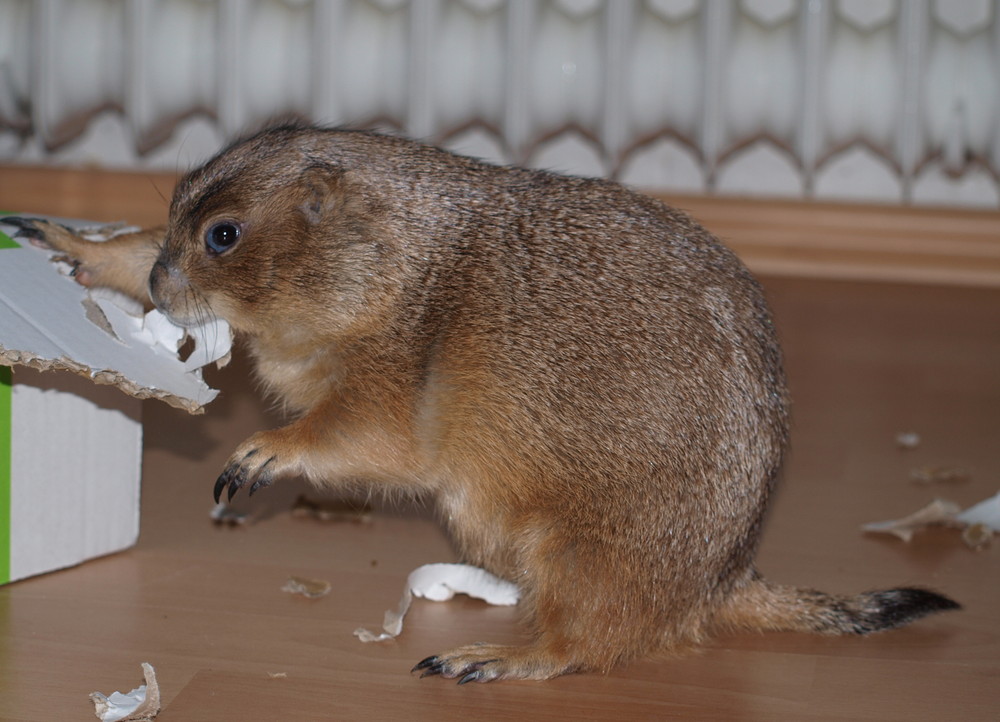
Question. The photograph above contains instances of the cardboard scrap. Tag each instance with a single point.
(52, 322)
(938, 511)
(986, 512)
(310, 588)
(224, 515)
(331, 510)
(142, 704)
(977, 536)
(939, 475)
(979, 522)
(440, 582)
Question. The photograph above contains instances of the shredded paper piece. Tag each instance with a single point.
(977, 536)
(311, 588)
(331, 510)
(142, 704)
(985, 512)
(438, 583)
(223, 514)
(907, 440)
(979, 522)
(939, 475)
(938, 511)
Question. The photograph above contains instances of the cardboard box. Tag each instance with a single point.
(72, 453)
(71, 443)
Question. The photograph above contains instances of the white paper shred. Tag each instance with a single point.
(938, 511)
(438, 583)
(942, 512)
(212, 339)
(985, 512)
(222, 513)
(140, 705)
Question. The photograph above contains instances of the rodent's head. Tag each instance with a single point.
(277, 236)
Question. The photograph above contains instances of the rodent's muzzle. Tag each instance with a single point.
(170, 292)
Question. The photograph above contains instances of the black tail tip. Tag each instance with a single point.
(897, 607)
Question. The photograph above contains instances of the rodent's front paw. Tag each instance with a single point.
(257, 461)
(26, 228)
(69, 246)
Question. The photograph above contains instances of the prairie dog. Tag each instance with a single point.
(587, 382)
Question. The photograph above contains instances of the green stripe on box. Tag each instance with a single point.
(6, 424)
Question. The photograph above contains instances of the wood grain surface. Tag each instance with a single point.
(203, 603)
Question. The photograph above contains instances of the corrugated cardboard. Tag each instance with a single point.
(70, 448)
(74, 453)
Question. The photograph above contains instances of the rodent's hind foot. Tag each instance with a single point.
(489, 662)
(434, 665)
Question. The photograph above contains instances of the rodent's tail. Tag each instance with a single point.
(762, 606)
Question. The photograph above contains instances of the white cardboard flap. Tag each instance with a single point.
(44, 324)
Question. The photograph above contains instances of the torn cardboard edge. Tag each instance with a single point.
(53, 323)
(142, 704)
(440, 582)
(107, 377)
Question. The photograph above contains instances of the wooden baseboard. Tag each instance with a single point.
(138, 197)
(774, 237)
(855, 241)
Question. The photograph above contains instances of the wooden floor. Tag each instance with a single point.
(203, 603)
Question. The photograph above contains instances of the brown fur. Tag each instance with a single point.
(586, 381)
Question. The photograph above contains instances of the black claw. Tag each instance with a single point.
(26, 227)
(433, 670)
(237, 483)
(30, 233)
(471, 677)
(222, 482)
(260, 484)
(425, 664)
(264, 477)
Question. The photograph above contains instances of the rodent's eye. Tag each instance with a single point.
(221, 237)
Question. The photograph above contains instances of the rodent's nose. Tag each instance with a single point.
(167, 286)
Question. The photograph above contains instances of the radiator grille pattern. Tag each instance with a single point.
(885, 100)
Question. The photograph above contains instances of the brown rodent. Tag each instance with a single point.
(586, 381)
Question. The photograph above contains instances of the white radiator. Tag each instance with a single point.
(884, 100)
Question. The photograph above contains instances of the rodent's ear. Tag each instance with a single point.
(321, 188)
